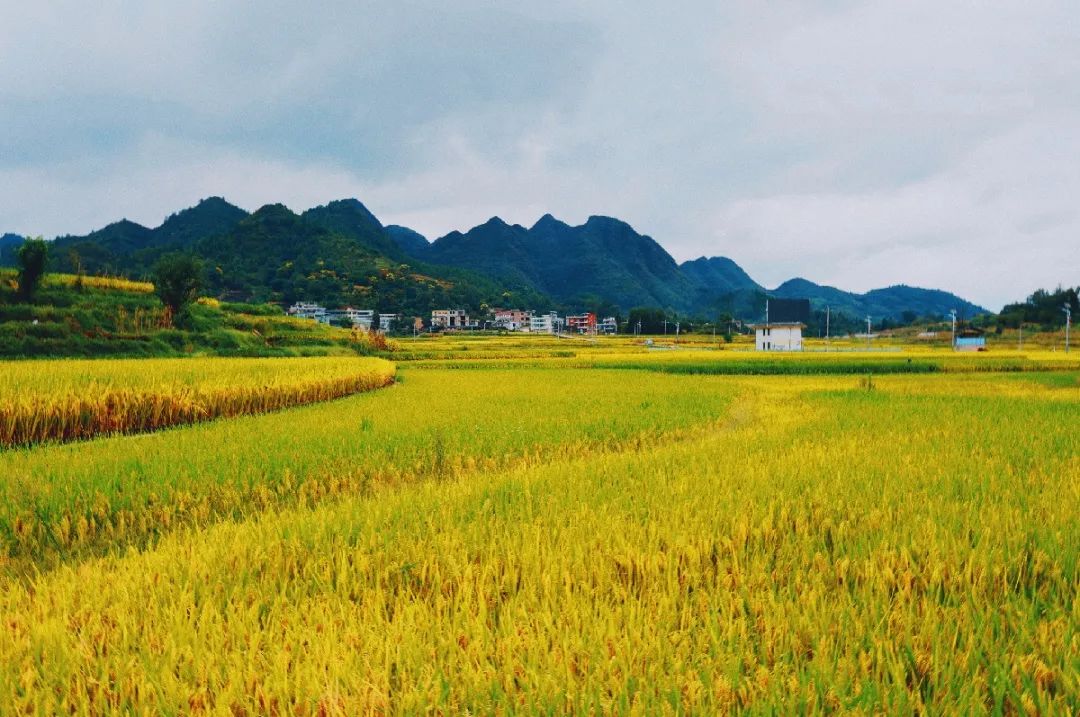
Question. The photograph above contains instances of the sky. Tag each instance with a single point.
(856, 144)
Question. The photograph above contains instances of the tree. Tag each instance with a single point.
(177, 280)
(650, 318)
(33, 257)
(724, 322)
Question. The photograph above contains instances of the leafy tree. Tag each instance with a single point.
(650, 318)
(724, 322)
(1043, 308)
(177, 280)
(33, 258)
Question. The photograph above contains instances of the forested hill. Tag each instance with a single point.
(338, 254)
(341, 253)
(895, 302)
(605, 261)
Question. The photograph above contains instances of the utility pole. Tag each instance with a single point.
(952, 313)
(665, 327)
(868, 333)
(1068, 324)
(826, 327)
(676, 332)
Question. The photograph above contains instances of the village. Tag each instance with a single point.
(512, 320)
(781, 331)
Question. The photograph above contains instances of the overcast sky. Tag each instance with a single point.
(855, 144)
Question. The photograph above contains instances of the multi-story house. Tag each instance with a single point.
(359, 318)
(581, 324)
(387, 321)
(449, 319)
(550, 323)
(309, 310)
(512, 319)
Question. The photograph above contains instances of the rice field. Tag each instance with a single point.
(544, 537)
(68, 400)
(108, 283)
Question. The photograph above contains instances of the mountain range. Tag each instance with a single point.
(340, 253)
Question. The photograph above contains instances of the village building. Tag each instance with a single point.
(309, 310)
(608, 325)
(779, 336)
(512, 319)
(387, 321)
(359, 318)
(971, 343)
(449, 319)
(581, 324)
(784, 324)
(550, 323)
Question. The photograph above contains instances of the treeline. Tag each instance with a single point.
(1044, 309)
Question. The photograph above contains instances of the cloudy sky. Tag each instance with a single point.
(858, 144)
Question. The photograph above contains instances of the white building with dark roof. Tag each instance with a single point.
(779, 336)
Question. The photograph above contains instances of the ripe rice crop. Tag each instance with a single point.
(733, 363)
(111, 283)
(59, 501)
(75, 400)
(821, 548)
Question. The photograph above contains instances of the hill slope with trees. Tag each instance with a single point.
(340, 253)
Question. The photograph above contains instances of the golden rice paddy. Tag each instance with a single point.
(561, 539)
(67, 400)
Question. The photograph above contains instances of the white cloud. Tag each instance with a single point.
(1000, 218)
(852, 143)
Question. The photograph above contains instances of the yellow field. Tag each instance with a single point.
(113, 283)
(67, 400)
(564, 538)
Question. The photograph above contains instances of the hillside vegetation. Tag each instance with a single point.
(341, 254)
(338, 254)
(104, 316)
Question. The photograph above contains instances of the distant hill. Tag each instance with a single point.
(210, 217)
(350, 218)
(718, 275)
(8, 244)
(891, 302)
(603, 259)
(340, 253)
(411, 242)
(126, 247)
(494, 248)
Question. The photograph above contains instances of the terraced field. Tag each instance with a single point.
(546, 534)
